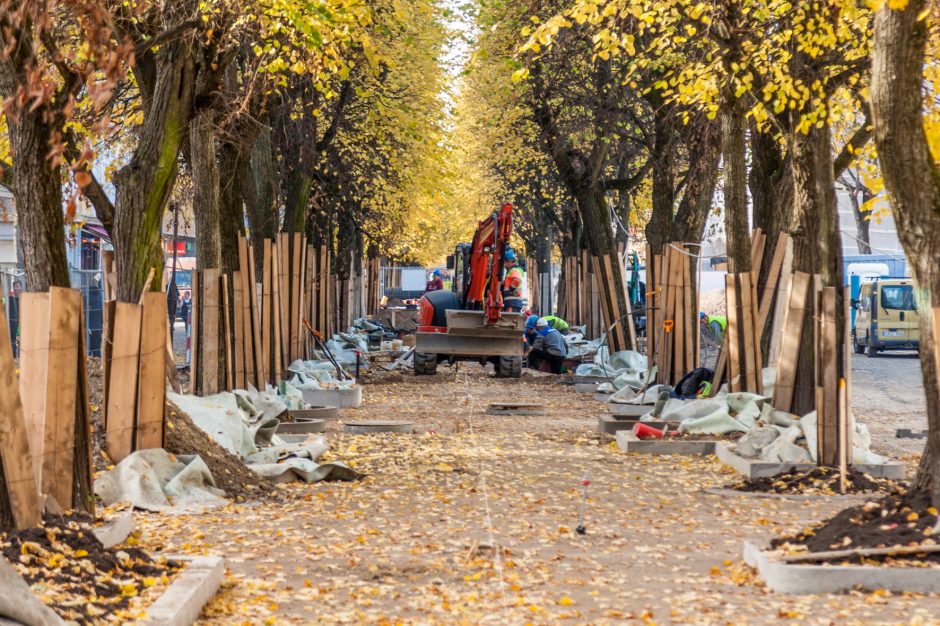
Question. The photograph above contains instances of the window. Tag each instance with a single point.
(897, 297)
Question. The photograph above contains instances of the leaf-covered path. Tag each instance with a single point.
(411, 543)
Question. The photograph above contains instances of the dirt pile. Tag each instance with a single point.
(230, 473)
(81, 580)
(898, 519)
(817, 481)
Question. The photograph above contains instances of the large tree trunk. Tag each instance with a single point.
(862, 223)
(299, 185)
(703, 144)
(234, 173)
(205, 170)
(37, 189)
(261, 194)
(735, 190)
(911, 177)
(817, 244)
(144, 184)
(664, 181)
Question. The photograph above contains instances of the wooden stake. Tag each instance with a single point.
(267, 309)
(122, 396)
(195, 337)
(15, 454)
(733, 329)
(786, 366)
(227, 334)
(843, 438)
(210, 331)
(151, 395)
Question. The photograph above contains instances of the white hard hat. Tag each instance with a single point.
(542, 323)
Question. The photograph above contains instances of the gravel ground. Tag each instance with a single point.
(471, 521)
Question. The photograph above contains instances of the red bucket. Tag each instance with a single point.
(642, 431)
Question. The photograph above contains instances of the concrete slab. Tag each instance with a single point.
(756, 468)
(115, 531)
(628, 442)
(619, 409)
(378, 426)
(801, 579)
(611, 425)
(586, 387)
(515, 408)
(342, 398)
(182, 602)
(301, 427)
(316, 412)
(848, 498)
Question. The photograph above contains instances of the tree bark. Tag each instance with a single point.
(205, 171)
(735, 189)
(144, 184)
(37, 189)
(911, 178)
(817, 244)
(234, 171)
(261, 194)
(664, 181)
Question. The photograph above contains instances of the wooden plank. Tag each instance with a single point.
(61, 388)
(267, 309)
(843, 437)
(210, 326)
(278, 317)
(283, 291)
(238, 330)
(227, 342)
(255, 320)
(323, 287)
(83, 496)
(773, 275)
(122, 396)
(296, 298)
(630, 326)
(310, 297)
(107, 337)
(15, 454)
(678, 369)
(786, 366)
(746, 324)
(34, 367)
(753, 315)
(758, 241)
(780, 306)
(195, 336)
(830, 381)
(151, 392)
(690, 315)
(246, 355)
(732, 332)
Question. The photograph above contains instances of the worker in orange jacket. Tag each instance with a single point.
(514, 284)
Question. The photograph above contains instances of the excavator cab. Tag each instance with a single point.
(468, 322)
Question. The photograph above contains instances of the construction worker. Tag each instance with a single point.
(515, 286)
(530, 331)
(716, 324)
(558, 324)
(548, 346)
(436, 283)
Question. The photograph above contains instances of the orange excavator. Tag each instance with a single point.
(468, 323)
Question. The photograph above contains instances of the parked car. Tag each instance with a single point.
(886, 317)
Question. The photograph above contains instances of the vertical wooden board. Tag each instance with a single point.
(629, 326)
(107, 337)
(689, 315)
(679, 329)
(653, 314)
(790, 345)
(830, 378)
(246, 355)
(255, 311)
(195, 352)
(15, 454)
(277, 319)
(754, 316)
(296, 258)
(238, 330)
(83, 496)
(34, 368)
(151, 391)
(282, 287)
(310, 298)
(781, 306)
(122, 396)
(227, 335)
(323, 287)
(732, 333)
(773, 275)
(210, 332)
(267, 325)
(847, 358)
(758, 241)
(935, 325)
(746, 323)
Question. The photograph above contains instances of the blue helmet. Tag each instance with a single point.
(510, 255)
(436, 273)
(531, 320)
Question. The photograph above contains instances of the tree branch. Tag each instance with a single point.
(345, 95)
(626, 184)
(859, 138)
(164, 37)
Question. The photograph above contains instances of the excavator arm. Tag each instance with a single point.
(487, 254)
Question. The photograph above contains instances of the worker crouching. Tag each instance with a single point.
(548, 346)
